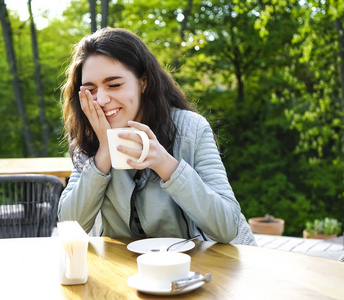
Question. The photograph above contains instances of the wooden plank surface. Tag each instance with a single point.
(58, 166)
(331, 249)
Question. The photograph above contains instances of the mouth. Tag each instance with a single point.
(112, 112)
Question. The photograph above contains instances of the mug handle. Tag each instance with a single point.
(145, 144)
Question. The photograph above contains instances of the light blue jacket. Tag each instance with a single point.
(197, 198)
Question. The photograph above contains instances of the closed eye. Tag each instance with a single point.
(89, 87)
(115, 85)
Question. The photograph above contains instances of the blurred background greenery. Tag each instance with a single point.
(267, 74)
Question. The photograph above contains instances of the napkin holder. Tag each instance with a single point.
(73, 253)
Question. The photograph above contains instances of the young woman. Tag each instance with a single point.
(181, 189)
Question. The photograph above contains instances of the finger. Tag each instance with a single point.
(142, 127)
(136, 153)
(97, 110)
(84, 100)
(129, 135)
(100, 113)
(138, 166)
(90, 101)
(138, 125)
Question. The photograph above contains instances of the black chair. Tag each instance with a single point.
(28, 205)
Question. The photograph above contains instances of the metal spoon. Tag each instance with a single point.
(178, 285)
(183, 241)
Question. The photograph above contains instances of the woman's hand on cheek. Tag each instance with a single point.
(99, 123)
(94, 114)
(158, 159)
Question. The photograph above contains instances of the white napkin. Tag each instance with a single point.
(74, 241)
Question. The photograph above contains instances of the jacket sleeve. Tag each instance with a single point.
(83, 196)
(203, 190)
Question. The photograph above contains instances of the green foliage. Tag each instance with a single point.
(266, 74)
(325, 226)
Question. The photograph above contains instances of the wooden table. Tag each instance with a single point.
(58, 166)
(29, 269)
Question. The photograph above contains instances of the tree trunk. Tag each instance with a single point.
(186, 14)
(39, 89)
(93, 13)
(339, 28)
(105, 13)
(340, 31)
(237, 62)
(7, 33)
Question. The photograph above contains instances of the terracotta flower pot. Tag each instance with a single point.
(307, 235)
(261, 226)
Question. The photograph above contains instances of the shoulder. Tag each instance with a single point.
(188, 121)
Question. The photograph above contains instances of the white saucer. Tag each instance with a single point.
(145, 245)
(137, 282)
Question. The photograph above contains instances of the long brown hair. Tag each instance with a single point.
(160, 95)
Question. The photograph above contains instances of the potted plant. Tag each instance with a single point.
(322, 229)
(267, 225)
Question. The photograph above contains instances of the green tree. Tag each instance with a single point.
(311, 94)
(11, 58)
(38, 82)
(266, 74)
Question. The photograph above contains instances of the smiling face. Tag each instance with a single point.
(115, 88)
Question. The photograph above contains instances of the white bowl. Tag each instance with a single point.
(160, 268)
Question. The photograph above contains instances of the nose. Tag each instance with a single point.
(102, 97)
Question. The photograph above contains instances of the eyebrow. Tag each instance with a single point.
(107, 79)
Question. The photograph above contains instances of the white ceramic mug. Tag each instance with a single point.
(119, 159)
(158, 269)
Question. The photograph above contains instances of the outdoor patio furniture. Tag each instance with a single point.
(28, 205)
(57, 166)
